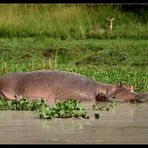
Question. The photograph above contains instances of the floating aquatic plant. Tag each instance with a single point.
(62, 109)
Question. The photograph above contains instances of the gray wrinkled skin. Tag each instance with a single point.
(49, 84)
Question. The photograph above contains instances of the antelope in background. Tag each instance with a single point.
(104, 28)
(109, 23)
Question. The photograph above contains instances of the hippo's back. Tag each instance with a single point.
(54, 77)
(55, 83)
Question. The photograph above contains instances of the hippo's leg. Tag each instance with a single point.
(9, 96)
(84, 96)
(50, 100)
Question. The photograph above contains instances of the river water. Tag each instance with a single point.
(125, 123)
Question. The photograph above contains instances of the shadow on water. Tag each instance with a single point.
(124, 123)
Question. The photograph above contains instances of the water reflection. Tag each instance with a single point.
(124, 123)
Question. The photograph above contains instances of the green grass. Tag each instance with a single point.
(72, 21)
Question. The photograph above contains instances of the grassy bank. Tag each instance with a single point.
(74, 38)
(108, 61)
(70, 21)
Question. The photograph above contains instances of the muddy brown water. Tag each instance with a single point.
(125, 123)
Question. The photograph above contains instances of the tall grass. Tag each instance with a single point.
(68, 21)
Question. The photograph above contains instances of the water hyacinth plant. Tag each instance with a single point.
(66, 109)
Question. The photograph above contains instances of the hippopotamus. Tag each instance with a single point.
(123, 94)
(52, 85)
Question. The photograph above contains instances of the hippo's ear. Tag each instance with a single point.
(130, 88)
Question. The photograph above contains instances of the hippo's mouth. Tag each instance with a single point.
(142, 97)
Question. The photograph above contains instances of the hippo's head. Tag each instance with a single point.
(124, 93)
(119, 87)
(142, 97)
(119, 91)
(127, 94)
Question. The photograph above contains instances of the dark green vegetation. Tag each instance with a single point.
(67, 109)
(23, 104)
(62, 109)
(97, 115)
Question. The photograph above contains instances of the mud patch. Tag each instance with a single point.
(109, 58)
(62, 55)
(25, 56)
